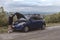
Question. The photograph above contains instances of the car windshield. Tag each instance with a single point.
(36, 18)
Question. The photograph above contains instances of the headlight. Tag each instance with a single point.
(21, 23)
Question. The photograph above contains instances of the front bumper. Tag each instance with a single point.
(18, 27)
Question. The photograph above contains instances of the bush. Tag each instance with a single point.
(3, 19)
(54, 18)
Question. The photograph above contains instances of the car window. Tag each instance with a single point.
(36, 18)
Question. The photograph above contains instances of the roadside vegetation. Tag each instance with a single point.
(53, 19)
(3, 21)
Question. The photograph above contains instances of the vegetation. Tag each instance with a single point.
(54, 18)
(3, 29)
(3, 18)
(3, 21)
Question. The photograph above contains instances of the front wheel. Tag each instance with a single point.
(26, 29)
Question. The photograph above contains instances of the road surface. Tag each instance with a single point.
(50, 33)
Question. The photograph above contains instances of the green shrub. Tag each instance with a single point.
(54, 18)
(3, 19)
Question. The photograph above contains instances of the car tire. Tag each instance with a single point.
(26, 29)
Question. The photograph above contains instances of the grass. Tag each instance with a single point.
(3, 29)
(52, 24)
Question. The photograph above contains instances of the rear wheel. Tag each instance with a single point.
(26, 29)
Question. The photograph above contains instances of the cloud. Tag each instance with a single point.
(11, 5)
(43, 0)
(18, 0)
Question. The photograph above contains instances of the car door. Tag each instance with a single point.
(37, 23)
(34, 24)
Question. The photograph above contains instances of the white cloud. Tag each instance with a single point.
(10, 4)
(49, 4)
(18, 0)
(43, 0)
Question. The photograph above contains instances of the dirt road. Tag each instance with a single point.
(50, 33)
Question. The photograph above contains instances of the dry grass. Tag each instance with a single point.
(3, 29)
(53, 24)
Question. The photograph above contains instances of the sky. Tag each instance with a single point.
(31, 5)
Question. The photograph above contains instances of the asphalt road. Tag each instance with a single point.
(50, 33)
